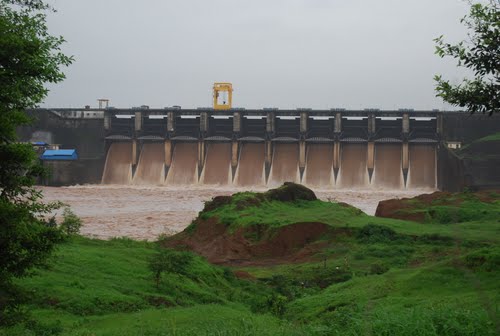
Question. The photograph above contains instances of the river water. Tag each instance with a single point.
(145, 212)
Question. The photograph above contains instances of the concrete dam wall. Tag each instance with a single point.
(320, 148)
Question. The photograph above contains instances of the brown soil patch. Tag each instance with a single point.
(401, 208)
(243, 275)
(255, 245)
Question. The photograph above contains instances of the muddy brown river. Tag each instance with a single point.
(140, 212)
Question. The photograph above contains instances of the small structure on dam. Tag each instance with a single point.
(323, 148)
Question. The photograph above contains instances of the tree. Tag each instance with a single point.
(481, 54)
(169, 261)
(29, 58)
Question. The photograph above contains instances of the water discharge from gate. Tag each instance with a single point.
(422, 172)
(217, 169)
(184, 170)
(285, 165)
(319, 166)
(250, 170)
(388, 173)
(151, 167)
(353, 171)
(118, 166)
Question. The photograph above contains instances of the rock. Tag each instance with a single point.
(290, 192)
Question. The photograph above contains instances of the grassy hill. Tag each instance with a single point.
(356, 274)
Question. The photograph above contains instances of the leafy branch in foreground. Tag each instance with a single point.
(481, 54)
(29, 58)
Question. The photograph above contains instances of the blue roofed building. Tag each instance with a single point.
(59, 155)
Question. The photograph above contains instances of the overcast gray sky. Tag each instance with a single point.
(277, 53)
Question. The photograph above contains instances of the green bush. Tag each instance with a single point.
(373, 233)
(71, 223)
(378, 268)
(169, 261)
(486, 259)
(435, 238)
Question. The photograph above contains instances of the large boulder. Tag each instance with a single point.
(290, 192)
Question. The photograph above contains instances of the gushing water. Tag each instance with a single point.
(388, 172)
(184, 168)
(217, 168)
(151, 167)
(250, 170)
(285, 165)
(422, 173)
(319, 166)
(118, 166)
(353, 171)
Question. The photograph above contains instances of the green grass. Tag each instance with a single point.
(491, 137)
(472, 220)
(482, 149)
(379, 277)
(275, 214)
(197, 320)
(446, 298)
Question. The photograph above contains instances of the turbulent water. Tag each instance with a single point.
(422, 173)
(250, 170)
(118, 167)
(184, 168)
(151, 167)
(353, 172)
(217, 168)
(285, 165)
(388, 171)
(319, 166)
(145, 212)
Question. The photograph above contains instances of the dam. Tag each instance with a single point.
(321, 148)
(333, 149)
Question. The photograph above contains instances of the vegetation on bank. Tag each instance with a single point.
(483, 149)
(377, 275)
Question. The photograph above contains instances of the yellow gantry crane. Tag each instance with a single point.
(223, 96)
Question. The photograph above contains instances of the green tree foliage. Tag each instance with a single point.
(71, 223)
(29, 58)
(481, 54)
(169, 261)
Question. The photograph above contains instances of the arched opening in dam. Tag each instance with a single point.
(184, 168)
(217, 167)
(251, 165)
(118, 166)
(319, 166)
(151, 166)
(285, 164)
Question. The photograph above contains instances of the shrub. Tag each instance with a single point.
(378, 268)
(276, 304)
(71, 223)
(435, 238)
(486, 259)
(373, 233)
(169, 261)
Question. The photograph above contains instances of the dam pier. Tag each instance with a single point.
(322, 148)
